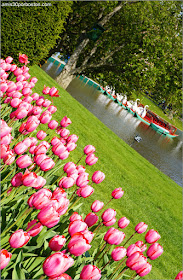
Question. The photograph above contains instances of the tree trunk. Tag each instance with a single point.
(65, 76)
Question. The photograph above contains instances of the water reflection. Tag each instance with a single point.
(163, 152)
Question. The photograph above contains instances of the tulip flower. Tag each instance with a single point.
(179, 275)
(123, 222)
(41, 135)
(108, 215)
(114, 236)
(75, 216)
(53, 124)
(58, 193)
(91, 219)
(97, 206)
(154, 251)
(5, 257)
(77, 226)
(29, 178)
(23, 58)
(78, 244)
(16, 181)
(72, 138)
(69, 167)
(90, 272)
(141, 227)
(82, 180)
(152, 236)
(40, 199)
(85, 191)
(144, 270)
(45, 117)
(8, 59)
(46, 103)
(118, 253)
(80, 169)
(24, 161)
(19, 238)
(48, 216)
(136, 261)
(63, 276)
(47, 164)
(66, 183)
(89, 149)
(117, 193)
(56, 264)
(57, 242)
(9, 158)
(65, 122)
(52, 109)
(132, 249)
(91, 159)
(98, 177)
(64, 155)
(35, 230)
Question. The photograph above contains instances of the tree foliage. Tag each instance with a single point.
(32, 30)
(140, 48)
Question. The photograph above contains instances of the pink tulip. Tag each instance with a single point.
(39, 183)
(141, 227)
(91, 159)
(39, 158)
(8, 59)
(114, 236)
(29, 178)
(80, 169)
(75, 216)
(9, 158)
(24, 161)
(82, 180)
(53, 124)
(45, 117)
(179, 275)
(71, 147)
(152, 236)
(11, 88)
(57, 242)
(132, 249)
(72, 138)
(108, 215)
(69, 167)
(20, 148)
(47, 164)
(16, 94)
(117, 193)
(23, 58)
(85, 191)
(53, 92)
(144, 270)
(55, 140)
(15, 102)
(110, 223)
(5, 257)
(154, 251)
(91, 219)
(77, 226)
(64, 155)
(20, 78)
(123, 222)
(46, 90)
(27, 99)
(63, 276)
(5, 130)
(88, 235)
(35, 96)
(6, 140)
(35, 230)
(46, 103)
(19, 238)
(33, 80)
(98, 177)
(65, 122)
(40, 101)
(136, 261)
(139, 243)
(56, 264)
(13, 67)
(36, 110)
(66, 183)
(41, 135)
(4, 150)
(52, 109)
(26, 91)
(48, 216)
(61, 206)
(90, 272)
(58, 149)
(118, 253)
(4, 87)
(78, 244)
(89, 149)
(40, 199)
(16, 181)
(21, 113)
(64, 133)
(17, 72)
(97, 206)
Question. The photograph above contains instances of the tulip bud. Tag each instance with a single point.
(123, 222)
(97, 206)
(35, 230)
(19, 238)
(89, 149)
(5, 257)
(141, 227)
(57, 242)
(91, 219)
(117, 193)
(154, 251)
(90, 272)
(98, 177)
(91, 159)
(152, 236)
(118, 253)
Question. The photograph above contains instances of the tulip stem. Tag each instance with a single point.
(97, 227)
(6, 191)
(109, 202)
(8, 174)
(105, 265)
(118, 267)
(130, 238)
(125, 268)
(134, 276)
(42, 277)
(100, 251)
(105, 251)
(57, 179)
(74, 203)
(16, 140)
(80, 159)
(27, 211)
(6, 112)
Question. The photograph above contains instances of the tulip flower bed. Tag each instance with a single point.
(52, 228)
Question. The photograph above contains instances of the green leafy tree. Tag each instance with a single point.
(32, 30)
(139, 48)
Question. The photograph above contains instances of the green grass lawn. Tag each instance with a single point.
(150, 196)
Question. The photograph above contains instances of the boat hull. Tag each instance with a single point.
(142, 119)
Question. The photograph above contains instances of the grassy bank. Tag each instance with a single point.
(150, 196)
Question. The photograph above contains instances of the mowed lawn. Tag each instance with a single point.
(150, 196)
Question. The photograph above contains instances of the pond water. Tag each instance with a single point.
(161, 151)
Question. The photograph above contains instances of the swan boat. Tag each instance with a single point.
(158, 124)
